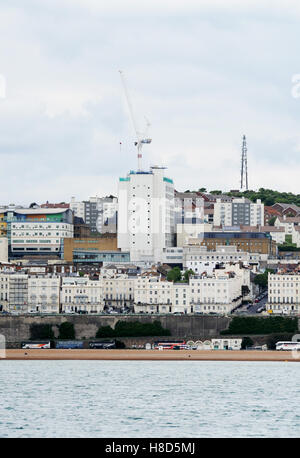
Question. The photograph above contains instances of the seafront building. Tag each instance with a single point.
(123, 289)
(284, 292)
(81, 294)
(43, 294)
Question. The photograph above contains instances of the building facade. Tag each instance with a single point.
(284, 293)
(80, 294)
(240, 211)
(39, 231)
(146, 214)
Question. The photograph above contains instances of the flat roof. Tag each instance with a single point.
(40, 211)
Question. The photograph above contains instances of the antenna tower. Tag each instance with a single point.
(244, 166)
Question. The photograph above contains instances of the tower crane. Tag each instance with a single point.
(141, 137)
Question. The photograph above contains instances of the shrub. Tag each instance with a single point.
(246, 342)
(40, 331)
(105, 331)
(136, 329)
(120, 344)
(66, 331)
(259, 325)
(174, 274)
(133, 329)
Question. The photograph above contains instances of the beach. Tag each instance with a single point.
(149, 355)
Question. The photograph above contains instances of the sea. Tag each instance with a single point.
(145, 399)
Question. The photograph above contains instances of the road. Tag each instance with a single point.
(252, 309)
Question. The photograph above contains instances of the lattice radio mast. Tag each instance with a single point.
(244, 166)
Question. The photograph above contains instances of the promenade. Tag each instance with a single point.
(149, 355)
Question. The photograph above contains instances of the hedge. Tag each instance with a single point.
(66, 331)
(133, 329)
(259, 325)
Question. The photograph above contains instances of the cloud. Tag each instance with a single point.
(203, 72)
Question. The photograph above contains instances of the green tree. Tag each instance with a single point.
(174, 274)
(245, 290)
(272, 220)
(105, 331)
(187, 274)
(262, 279)
(269, 201)
(202, 190)
(261, 325)
(66, 330)
(246, 342)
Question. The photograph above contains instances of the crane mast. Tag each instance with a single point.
(141, 138)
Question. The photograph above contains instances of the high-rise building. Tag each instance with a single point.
(189, 208)
(240, 211)
(77, 208)
(99, 213)
(146, 214)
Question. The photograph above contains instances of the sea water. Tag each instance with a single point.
(136, 399)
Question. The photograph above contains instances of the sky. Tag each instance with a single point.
(203, 72)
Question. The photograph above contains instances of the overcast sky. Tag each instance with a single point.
(203, 72)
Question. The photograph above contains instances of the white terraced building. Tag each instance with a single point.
(81, 294)
(284, 293)
(220, 292)
(156, 295)
(25, 293)
(14, 292)
(4, 290)
(118, 291)
(153, 294)
(43, 294)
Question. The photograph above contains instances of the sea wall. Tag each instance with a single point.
(189, 327)
(17, 328)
